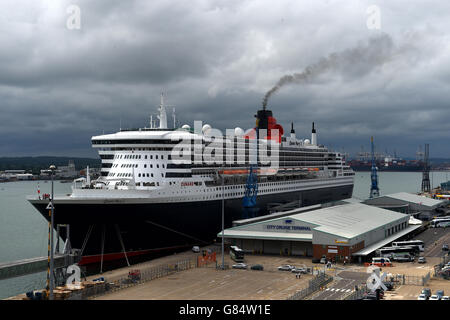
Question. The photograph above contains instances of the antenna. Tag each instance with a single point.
(174, 119)
(162, 113)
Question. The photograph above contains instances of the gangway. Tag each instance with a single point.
(33, 265)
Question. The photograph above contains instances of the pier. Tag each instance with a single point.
(33, 265)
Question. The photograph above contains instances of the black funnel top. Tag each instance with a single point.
(263, 118)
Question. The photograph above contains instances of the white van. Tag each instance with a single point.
(196, 249)
(381, 261)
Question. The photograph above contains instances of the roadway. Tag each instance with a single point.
(344, 284)
(433, 239)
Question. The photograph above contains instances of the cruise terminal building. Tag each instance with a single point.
(349, 231)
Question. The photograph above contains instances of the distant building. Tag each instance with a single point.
(62, 172)
(68, 171)
(421, 207)
(24, 176)
(11, 175)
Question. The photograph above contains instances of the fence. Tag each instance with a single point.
(314, 284)
(412, 280)
(438, 272)
(356, 294)
(142, 276)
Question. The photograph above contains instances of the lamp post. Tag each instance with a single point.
(223, 220)
(52, 262)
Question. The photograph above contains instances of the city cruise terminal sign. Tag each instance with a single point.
(287, 226)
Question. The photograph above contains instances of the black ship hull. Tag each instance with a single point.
(146, 228)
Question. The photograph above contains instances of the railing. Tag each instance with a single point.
(356, 294)
(438, 268)
(314, 284)
(401, 279)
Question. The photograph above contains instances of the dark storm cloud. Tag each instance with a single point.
(215, 60)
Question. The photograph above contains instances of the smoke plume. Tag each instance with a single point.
(356, 61)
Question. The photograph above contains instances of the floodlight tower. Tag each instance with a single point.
(374, 191)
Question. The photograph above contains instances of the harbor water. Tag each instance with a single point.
(24, 232)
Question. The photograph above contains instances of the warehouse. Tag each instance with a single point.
(422, 207)
(338, 232)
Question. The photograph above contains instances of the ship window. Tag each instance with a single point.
(145, 166)
(157, 165)
(151, 166)
(156, 157)
(148, 175)
(162, 157)
(151, 157)
(145, 157)
(139, 175)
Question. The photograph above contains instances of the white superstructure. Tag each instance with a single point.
(140, 164)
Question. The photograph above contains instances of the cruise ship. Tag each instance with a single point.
(163, 189)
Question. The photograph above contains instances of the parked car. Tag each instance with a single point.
(445, 247)
(370, 296)
(422, 296)
(426, 292)
(445, 272)
(286, 267)
(445, 298)
(434, 297)
(299, 270)
(389, 285)
(257, 267)
(421, 260)
(239, 266)
(196, 249)
(440, 293)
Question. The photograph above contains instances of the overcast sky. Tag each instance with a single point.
(215, 60)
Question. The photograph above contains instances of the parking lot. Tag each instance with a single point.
(408, 292)
(207, 283)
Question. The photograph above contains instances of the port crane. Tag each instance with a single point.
(374, 191)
